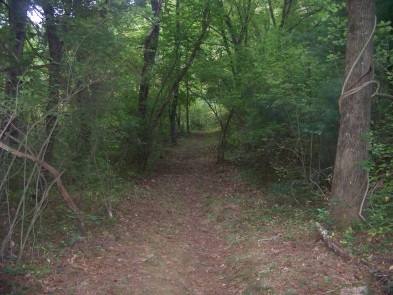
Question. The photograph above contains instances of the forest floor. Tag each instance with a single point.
(196, 227)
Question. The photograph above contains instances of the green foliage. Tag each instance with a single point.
(281, 114)
(383, 56)
(380, 198)
(291, 192)
(201, 117)
(323, 216)
(18, 269)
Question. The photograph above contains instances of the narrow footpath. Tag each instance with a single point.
(164, 242)
(194, 227)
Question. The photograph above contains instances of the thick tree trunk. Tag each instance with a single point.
(17, 26)
(350, 181)
(17, 36)
(17, 13)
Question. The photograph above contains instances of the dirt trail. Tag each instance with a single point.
(164, 242)
(193, 228)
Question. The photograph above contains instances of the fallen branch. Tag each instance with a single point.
(56, 175)
(332, 245)
(378, 275)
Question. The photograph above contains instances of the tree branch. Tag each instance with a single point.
(184, 70)
(384, 95)
(56, 175)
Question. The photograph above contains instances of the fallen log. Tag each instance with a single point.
(331, 244)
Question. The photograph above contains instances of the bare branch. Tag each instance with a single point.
(56, 175)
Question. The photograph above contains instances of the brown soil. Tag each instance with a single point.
(194, 227)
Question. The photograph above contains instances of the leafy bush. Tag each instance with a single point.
(380, 199)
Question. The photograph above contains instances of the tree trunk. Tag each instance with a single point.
(55, 46)
(83, 119)
(172, 117)
(17, 36)
(222, 142)
(155, 118)
(271, 11)
(286, 10)
(17, 12)
(188, 107)
(172, 111)
(150, 49)
(350, 181)
(17, 26)
(178, 118)
(238, 38)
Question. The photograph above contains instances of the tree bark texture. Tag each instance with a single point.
(350, 180)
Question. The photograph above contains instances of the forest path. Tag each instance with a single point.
(195, 228)
(164, 242)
